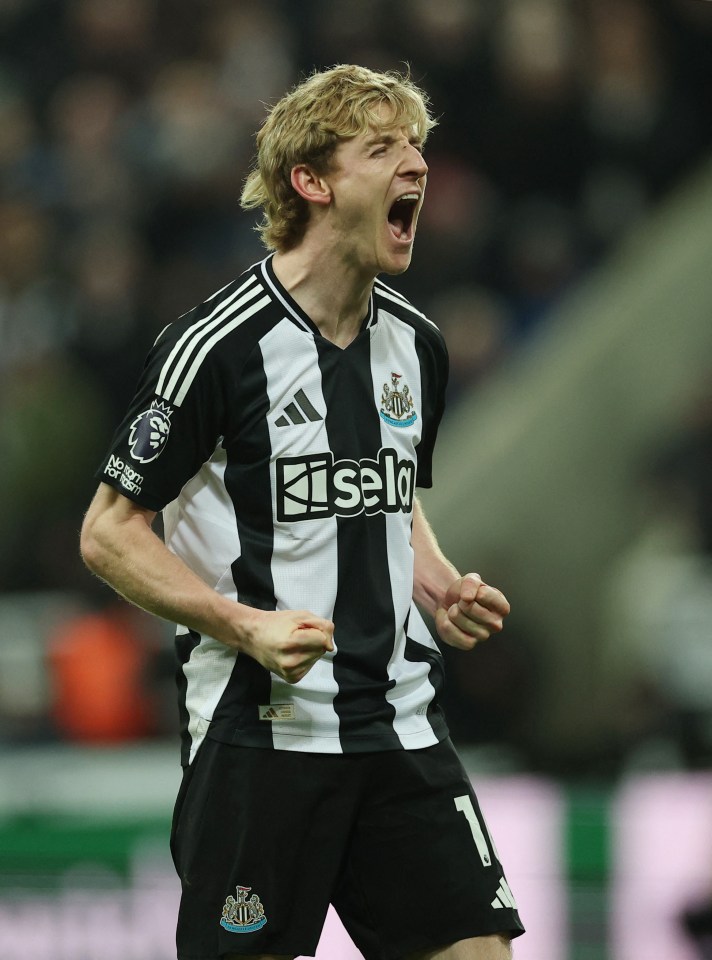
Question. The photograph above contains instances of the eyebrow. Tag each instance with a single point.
(388, 139)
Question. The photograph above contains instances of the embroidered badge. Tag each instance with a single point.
(277, 711)
(397, 405)
(149, 432)
(242, 915)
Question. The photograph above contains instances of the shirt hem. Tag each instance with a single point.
(330, 745)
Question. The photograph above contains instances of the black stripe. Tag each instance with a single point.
(364, 630)
(306, 405)
(294, 413)
(247, 479)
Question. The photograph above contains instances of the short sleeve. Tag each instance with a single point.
(166, 435)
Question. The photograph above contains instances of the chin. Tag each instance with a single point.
(396, 265)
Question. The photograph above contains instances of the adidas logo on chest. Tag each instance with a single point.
(299, 410)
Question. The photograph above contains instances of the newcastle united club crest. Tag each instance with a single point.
(397, 404)
(242, 915)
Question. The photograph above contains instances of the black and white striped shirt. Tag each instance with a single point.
(285, 467)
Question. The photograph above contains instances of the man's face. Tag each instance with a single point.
(377, 182)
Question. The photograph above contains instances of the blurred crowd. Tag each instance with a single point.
(127, 128)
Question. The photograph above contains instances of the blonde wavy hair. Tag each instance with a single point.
(306, 126)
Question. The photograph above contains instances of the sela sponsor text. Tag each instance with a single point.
(315, 486)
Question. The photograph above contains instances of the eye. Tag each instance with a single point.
(379, 151)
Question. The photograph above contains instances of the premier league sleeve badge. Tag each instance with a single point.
(149, 432)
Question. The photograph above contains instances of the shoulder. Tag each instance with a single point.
(394, 303)
(225, 310)
(428, 340)
(231, 321)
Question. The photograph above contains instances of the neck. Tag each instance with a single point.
(332, 292)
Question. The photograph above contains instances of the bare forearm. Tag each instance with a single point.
(127, 554)
(433, 572)
(119, 545)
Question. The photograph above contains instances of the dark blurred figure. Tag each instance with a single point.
(696, 921)
(490, 701)
(478, 328)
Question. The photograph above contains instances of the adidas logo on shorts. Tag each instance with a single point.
(504, 896)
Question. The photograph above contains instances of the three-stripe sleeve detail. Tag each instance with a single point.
(184, 361)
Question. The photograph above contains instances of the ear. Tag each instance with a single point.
(310, 185)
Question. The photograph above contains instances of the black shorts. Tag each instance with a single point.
(264, 840)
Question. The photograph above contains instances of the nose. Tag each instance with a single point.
(414, 164)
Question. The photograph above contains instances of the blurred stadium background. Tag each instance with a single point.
(565, 248)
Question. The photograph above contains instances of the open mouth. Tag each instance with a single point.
(401, 214)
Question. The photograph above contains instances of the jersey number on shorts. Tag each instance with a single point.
(464, 805)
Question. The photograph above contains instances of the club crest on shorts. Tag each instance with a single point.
(397, 404)
(242, 915)
(149, 432)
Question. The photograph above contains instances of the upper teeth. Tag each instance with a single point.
(408, 196)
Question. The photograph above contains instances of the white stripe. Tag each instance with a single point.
(203, 513)
(311, 546)
(412, 692)
(506, 894)
(380, 285)
(404, 303)
(195, 331)
(275, 290)
(207, 673)
(201, 528)
(209, 344)
(496, 904)
(464, 805)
